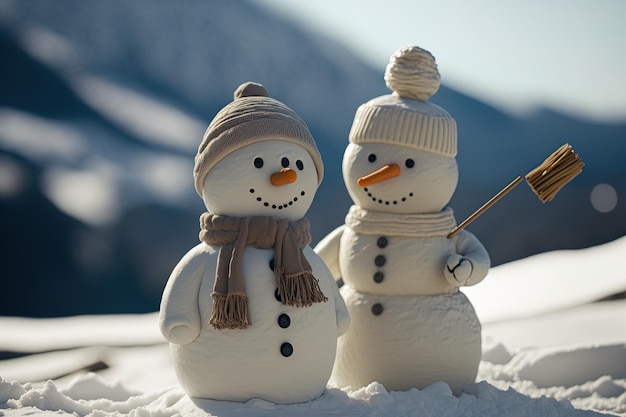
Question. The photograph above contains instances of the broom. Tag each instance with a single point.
(546, 180)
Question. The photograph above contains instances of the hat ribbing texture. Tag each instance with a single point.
(377, 121)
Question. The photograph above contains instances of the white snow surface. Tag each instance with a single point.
(548, 350)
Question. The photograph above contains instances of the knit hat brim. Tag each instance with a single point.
(415, 124)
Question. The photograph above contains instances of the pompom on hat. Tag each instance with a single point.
(251, 117)
(406, 117)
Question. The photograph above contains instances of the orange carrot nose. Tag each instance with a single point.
(284, 176)
(386, 172)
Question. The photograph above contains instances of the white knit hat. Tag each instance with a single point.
(406, 117)
(251, 117)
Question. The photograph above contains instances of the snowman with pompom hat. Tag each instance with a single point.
(252, 311)
(411, 326)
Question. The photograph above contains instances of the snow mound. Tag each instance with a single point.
(481, 399)
(587, 376)
(549, 281)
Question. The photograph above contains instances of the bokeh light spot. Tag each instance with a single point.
(604, 198)
(12, 178)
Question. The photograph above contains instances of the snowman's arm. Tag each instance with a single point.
(341, 311)
(343, 317)
(328, 250)
(470, 248)
(179, 317)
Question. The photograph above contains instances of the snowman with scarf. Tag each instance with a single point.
(410, 324)
(252, 311)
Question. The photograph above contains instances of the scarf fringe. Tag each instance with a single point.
(301, 290)
(230, 311)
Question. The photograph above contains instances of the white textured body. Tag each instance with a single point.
(417, 340)
(413, 266)
(238, 365)
(427, 331)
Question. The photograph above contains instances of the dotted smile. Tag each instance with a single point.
(386, 202)
(386, 172)
(277, 206)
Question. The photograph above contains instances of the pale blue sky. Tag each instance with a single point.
(568, 54)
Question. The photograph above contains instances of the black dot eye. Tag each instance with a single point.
(284, 162)
(371, 157)
(258, 162)
(409, 163)
(300, 165)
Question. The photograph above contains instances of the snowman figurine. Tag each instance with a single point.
(410, 324)
(252, 311)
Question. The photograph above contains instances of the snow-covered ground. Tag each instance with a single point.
(549, 350)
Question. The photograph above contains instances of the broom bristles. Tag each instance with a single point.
(546, 180)
(557, 170)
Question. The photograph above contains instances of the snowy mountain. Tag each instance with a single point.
(102, 109)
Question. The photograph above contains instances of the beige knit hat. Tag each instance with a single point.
(406, 117)
(251, 117)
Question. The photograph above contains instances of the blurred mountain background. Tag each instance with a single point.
(103, 105)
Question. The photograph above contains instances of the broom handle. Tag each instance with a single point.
(485, 206)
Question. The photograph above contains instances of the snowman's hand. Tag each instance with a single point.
(458, 270)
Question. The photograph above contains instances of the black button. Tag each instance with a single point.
(377, 309)
(379, 277)
(284, 321)
(380, 260)
(272, 264)
(286, 349)
(382, 242)
(277, 296)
